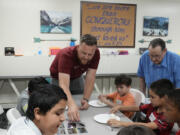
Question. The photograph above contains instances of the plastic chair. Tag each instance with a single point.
(1, 110)
(12, 115)
(138, 96)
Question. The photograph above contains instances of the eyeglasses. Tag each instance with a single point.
(156, 56)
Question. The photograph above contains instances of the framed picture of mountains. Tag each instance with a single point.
(155, 26)
(55, 22)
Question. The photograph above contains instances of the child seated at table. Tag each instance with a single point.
(45, 112)
(153, 111)
(122, 96)
(135, 130)
(22, 102)
(171, 107)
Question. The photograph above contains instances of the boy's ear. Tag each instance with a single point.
(37, 113)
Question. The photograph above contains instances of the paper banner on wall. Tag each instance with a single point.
(53, 50)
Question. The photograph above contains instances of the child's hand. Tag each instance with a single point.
(114, 123)
(115, 109)
(117, 123)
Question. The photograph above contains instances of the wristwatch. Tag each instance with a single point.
(86, 99)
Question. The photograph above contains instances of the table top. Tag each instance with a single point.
(92, 126)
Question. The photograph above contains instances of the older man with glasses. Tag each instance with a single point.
(158, 63)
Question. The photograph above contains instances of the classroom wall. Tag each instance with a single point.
(20, 22)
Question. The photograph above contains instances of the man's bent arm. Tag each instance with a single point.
(142, 85)
(89, 83)
(64, 83)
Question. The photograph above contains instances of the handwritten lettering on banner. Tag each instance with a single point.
(112, 24)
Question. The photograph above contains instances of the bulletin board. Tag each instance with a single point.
(113, 24)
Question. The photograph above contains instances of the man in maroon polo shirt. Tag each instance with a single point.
(67, 69)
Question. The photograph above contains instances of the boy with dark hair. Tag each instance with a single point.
(135, 130)
(22, 103)
(122, 96)
(34, 82)
(154, 116)
(171, 107)
(45, 112)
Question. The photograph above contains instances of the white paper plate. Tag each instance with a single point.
(96, 103)
(103, 118)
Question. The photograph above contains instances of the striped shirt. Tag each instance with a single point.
(164, 128)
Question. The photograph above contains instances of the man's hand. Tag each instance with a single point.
(115, 109)
(84, 104)
(73, 111)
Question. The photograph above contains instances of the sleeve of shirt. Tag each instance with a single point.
(177, 72)
(144, 108)
(12, 133)
(163, 125)
(64, 64)
(129, 101)
(95, 61)
(112, 95)
(140, 71)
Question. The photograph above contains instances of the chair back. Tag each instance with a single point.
(138, 96)
(12, 115)
(1, 110)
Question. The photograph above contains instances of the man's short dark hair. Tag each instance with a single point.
(162, 87)
(174, 97)
(32, 85)
(158, 42)
(123, 79)
(135, 130)
(89, 40)
(45, 98)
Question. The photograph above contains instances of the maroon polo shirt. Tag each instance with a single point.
(66, 61)
(164, 128)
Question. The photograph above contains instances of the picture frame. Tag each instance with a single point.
(55, 22)
(155, 26)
